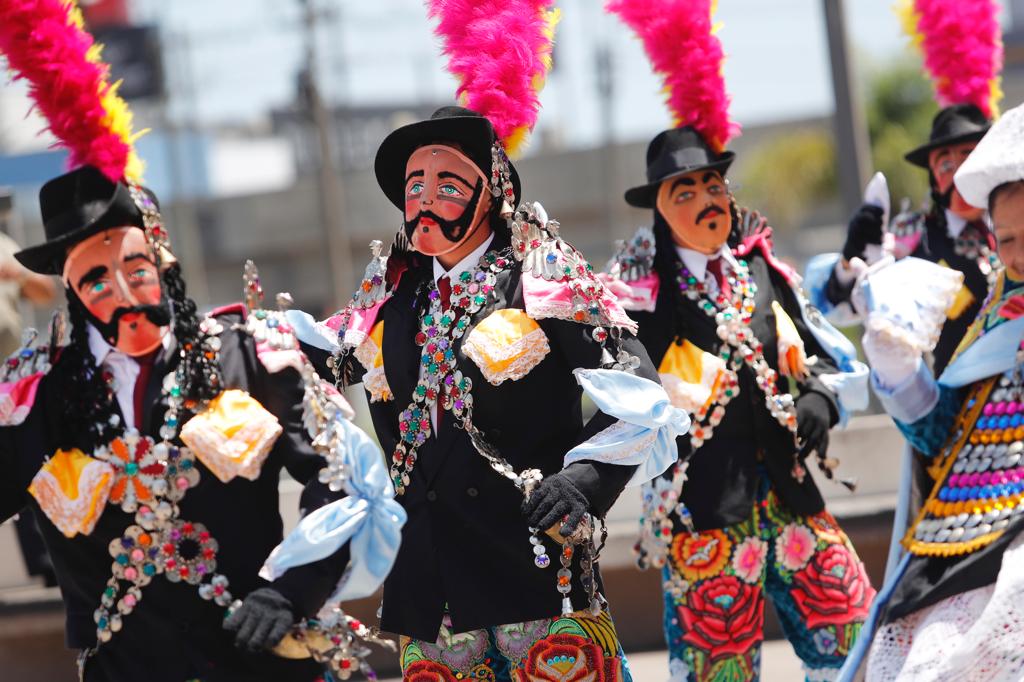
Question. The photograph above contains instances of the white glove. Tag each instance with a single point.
(891, 351)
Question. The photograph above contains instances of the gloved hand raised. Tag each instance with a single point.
(890, 351)
(556, 497)
(865, 228)
(262, 621)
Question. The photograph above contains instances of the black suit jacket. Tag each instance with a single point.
(723, 472)
(465, 546)
(173, 634)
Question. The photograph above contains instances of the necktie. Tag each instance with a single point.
(141, 381)
(715, 268)
(444, 288)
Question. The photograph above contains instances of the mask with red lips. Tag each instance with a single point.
(446, 199)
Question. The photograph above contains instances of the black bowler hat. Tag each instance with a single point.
(953, 125)
(675, 152)
(75, 206)
(472, 132)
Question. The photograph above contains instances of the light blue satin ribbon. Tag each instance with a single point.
(369, 519)
(850, 383)
(815, 281)
(308, 332)
(993, 353)
(647, 429)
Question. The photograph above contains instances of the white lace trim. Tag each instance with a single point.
(528, 352)
(72, 515)
(611, 435)
(974, 636)
(376, 384)
(374, 380)
(242, 453)
(366, 353)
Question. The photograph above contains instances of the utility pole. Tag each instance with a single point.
(183, 219)
(606, 96)
(852, 146)
(331, 199)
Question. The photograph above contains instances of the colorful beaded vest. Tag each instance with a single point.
(980, 472)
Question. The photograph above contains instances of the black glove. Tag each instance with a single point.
(263, 619)
(813, 421)
(865, 228)
(554, 498)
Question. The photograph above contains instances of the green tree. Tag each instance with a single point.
(790, 174)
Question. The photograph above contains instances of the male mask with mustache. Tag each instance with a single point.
(159, 315)
(453, 230)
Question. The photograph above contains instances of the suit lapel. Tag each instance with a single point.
(401, 354)
(447, 438)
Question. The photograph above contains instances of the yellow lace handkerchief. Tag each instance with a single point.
(370, 356)
(72, 489)
(233, 436)
(691, 376)
(506, 345)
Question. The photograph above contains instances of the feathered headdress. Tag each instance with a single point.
(46, 44)
(500, 51)
(679, 38)
(961, 42)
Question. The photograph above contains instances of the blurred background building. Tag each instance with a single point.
(264, 117)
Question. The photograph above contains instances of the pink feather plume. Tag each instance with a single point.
(678, 36)
(963, 50)
(45, 45)
(500, 51)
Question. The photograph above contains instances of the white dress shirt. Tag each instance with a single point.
(697, 263)
(464, 265)
(125, 369)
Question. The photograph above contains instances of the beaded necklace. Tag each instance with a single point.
(155, 477)
(440, 328)
(741, 346)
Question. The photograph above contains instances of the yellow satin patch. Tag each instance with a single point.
(233, 436)
(963, 300)
(71, 489)
(792, 356)
(506, 345)
(371, 357)
(691, 376)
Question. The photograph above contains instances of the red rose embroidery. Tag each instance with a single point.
(723, 616)
(428, 671)
(567, 658)
(832, 589)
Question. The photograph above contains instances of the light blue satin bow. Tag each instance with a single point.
(369, 519)
(648, 425)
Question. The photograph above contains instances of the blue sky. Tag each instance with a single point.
(231, 60)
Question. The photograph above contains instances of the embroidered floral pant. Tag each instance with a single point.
(574, 648)
(716, 583)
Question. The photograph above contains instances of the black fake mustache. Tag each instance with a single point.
(446, 226)
(159, 314)
(708, 211)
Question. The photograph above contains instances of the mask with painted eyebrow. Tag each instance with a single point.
(437, 222)
(702, 221)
